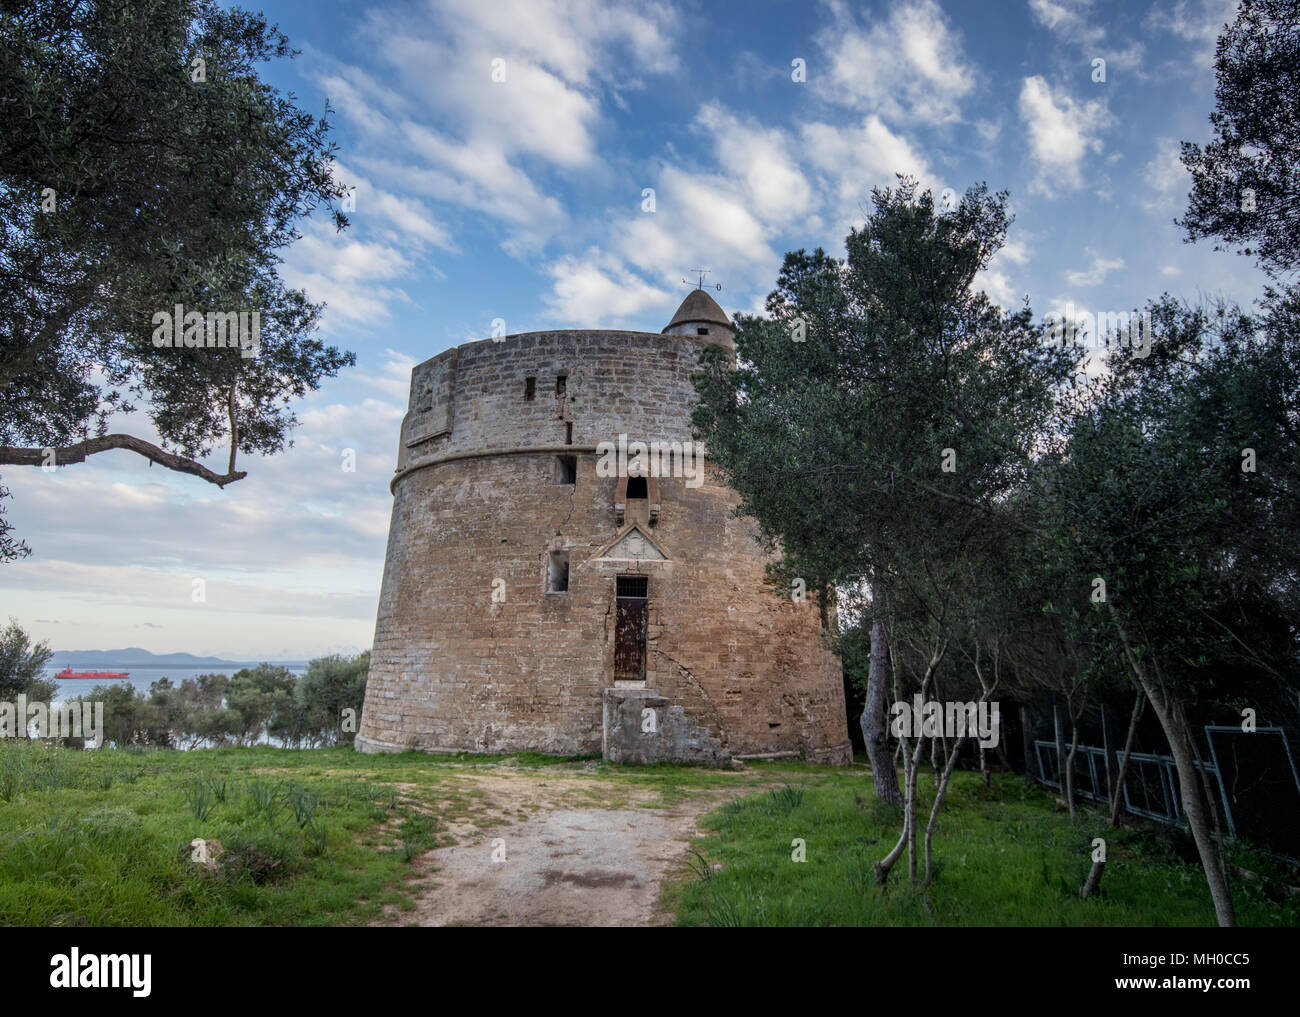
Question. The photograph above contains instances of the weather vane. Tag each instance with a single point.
(702, 273)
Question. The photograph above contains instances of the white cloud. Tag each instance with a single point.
(761, 160)
(850, 160)
(554, 56)
(238, 618)
(531, 112)
(909, 66)
(1092, 356)
(1014, 251)
(571, 38)
(440, 126)
(726, 217)
(393, 377)
(356, 94)
(732, 218)
(997, 285)
(750, 71)
(485, 182)
(1061, 133)
(718, 214)
(1171, 271)
(1166, 175)
(700, 219)
(1198, 22)
(407, 216)
(354, 278)
(1096, 273)
(996, 281)
(593, 290)
(1077, 22)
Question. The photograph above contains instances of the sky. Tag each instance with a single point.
(568, 165)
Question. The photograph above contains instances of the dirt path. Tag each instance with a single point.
(576, 852)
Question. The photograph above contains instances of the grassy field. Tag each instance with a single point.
(327, 837)
(316, 837)
(1005, 855)
(310, 838)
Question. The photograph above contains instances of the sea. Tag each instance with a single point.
(142, 677)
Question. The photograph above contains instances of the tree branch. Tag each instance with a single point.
(11, 456)
(234, 426)
(18, 361)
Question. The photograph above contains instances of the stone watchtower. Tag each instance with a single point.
(553, 585)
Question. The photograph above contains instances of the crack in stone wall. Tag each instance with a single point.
(686, 671)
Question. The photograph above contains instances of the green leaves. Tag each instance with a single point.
(1150, 487)
(1243, 181)
(836, 442)
(126, 187)
(22, 665)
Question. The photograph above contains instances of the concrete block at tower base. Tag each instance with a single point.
(641, 726)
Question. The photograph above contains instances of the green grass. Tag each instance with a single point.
(1006, 855)
(311, 838)
(328, 837)
(317, 837)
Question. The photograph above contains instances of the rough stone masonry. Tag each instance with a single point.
(531, 604)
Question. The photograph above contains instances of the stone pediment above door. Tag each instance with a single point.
(632, 544)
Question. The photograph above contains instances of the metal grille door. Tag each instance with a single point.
(631, 620)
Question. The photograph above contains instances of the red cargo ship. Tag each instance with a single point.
(67, 672)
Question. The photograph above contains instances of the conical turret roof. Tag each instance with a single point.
(699, 306)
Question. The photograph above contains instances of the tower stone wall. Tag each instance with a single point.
(474, 648)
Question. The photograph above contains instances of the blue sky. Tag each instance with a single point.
(524, 199)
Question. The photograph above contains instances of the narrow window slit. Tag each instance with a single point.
(557, 572)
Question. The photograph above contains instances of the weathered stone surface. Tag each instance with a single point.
(740, 669)
(641, 726)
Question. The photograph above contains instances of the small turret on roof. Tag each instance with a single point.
(700, 316)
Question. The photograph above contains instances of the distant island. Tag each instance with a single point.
(134, 656)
